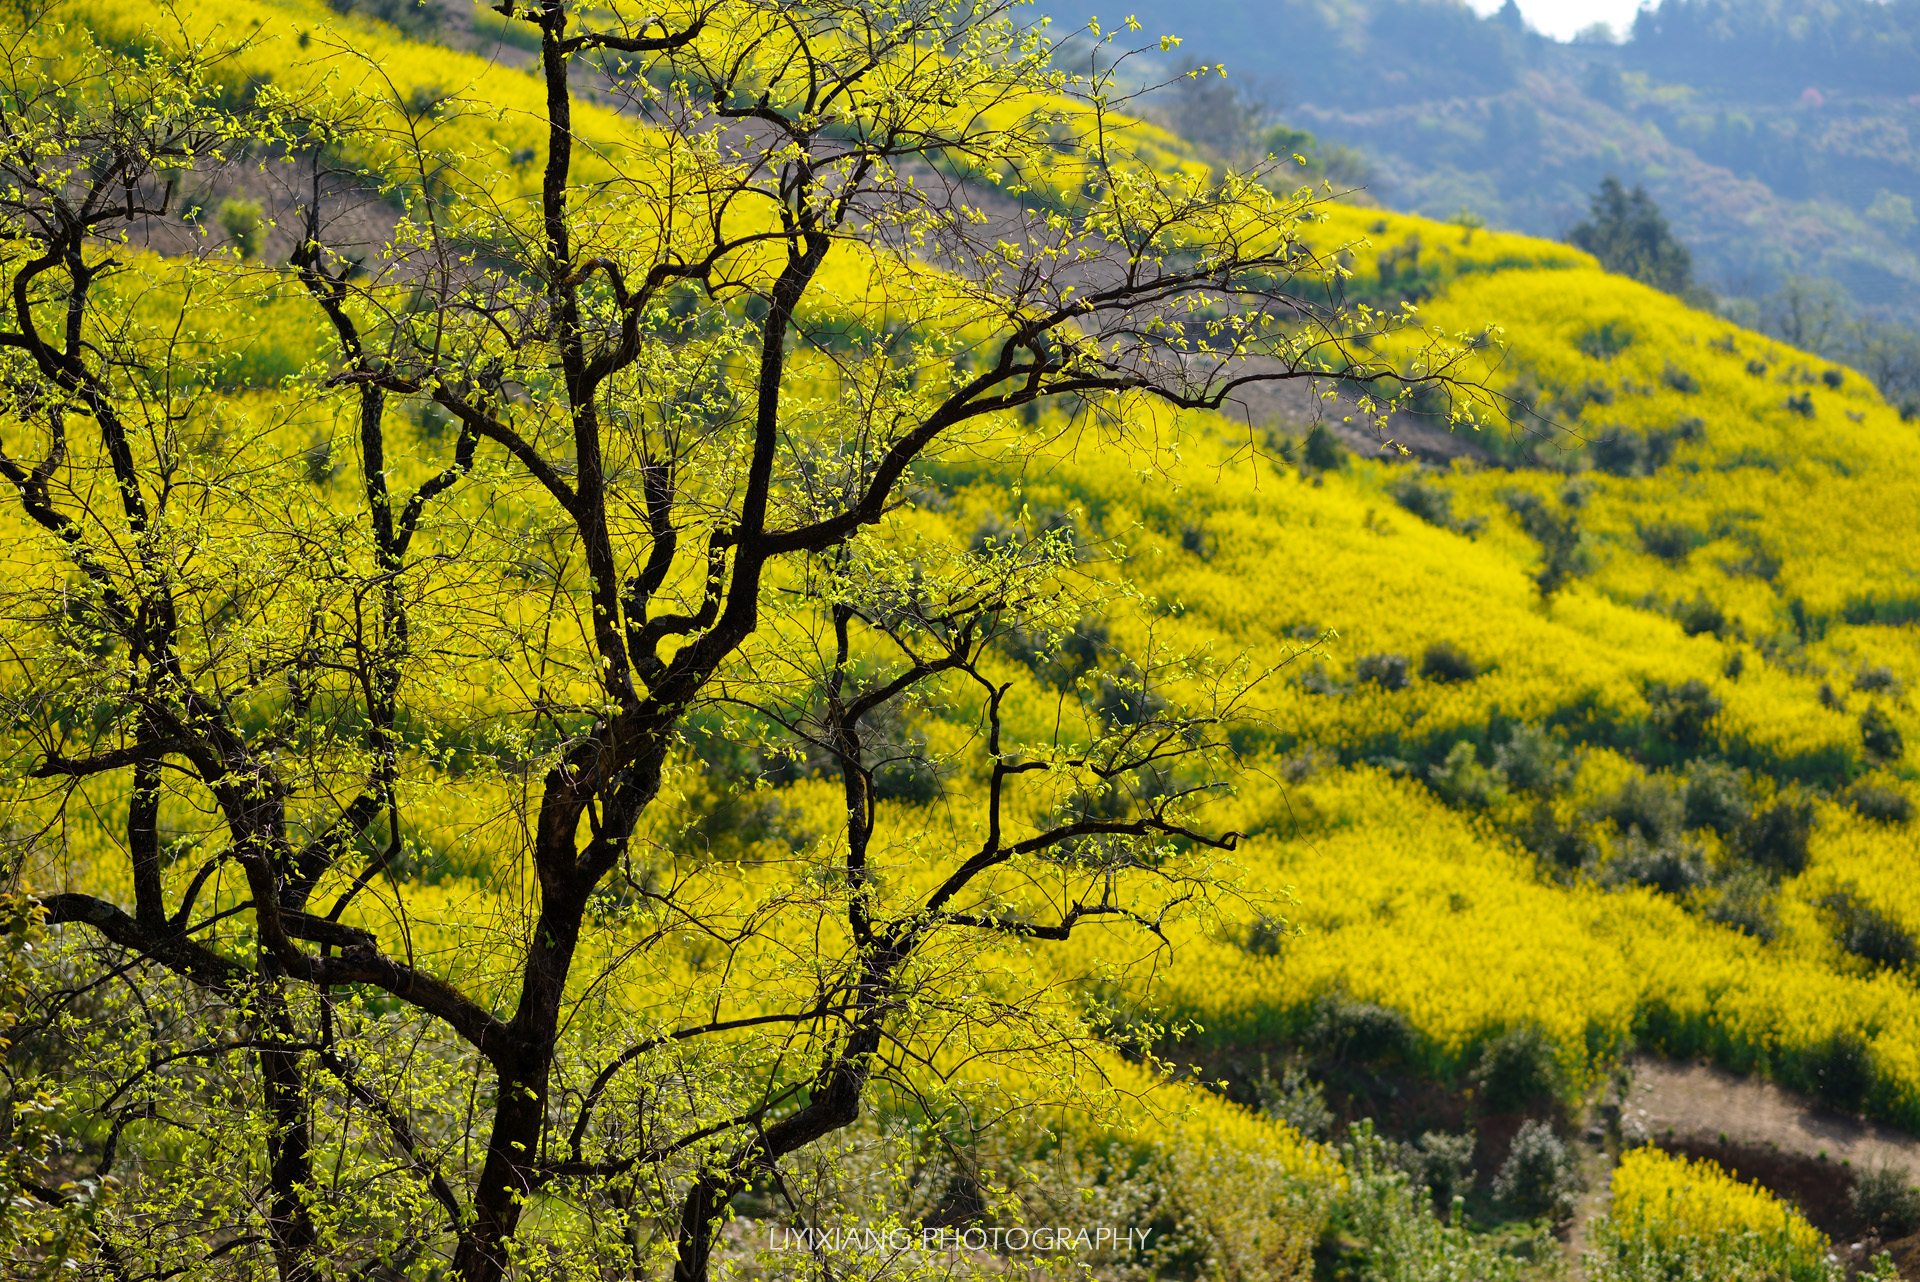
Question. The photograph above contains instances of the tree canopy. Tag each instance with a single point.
(1627, 232)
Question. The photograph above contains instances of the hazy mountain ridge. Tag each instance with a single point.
(1780, 137)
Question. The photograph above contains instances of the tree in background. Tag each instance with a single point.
(1205, 106)
(1817, 316)
(1238, 124)
(1627, 232)
(628, 456)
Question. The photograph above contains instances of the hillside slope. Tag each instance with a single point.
(1597, 741)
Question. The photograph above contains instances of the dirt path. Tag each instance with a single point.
(1802, 1150)
(1696, 1102)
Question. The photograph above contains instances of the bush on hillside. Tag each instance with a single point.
(1776, 838)
(1296, 1099)
(1879, 803)
(1841, 1070)
(1447, 663)
(1700, 614)
(1715, 796)
(1885, 1201)
(1126, 699)
(1647, 804)
(1680, 713)
(1317, 680)
(1679, 379)
(1353, 1032)
(1758, 562)
(1530, 760)
(1462, 781)
(245, 223)
(1322, 450)
(1746, 902)
(1540, 1176)
(1868, 933)
(1877, 678)
(1388, 671)
(1624, 451)
(1387, 1228)
(1879, 736)
(1432, 504)
(1267, 935)
(1564, 554)
(1668, 540)
(1627, 232)
(1672, 867)
(1568, 848)
(1518, 1069)
(1441, 1162)
(1606, 340)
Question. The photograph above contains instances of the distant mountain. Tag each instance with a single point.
(1781, 137)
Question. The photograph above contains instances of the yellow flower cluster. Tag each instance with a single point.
(1402, 902)
(1667, 1205)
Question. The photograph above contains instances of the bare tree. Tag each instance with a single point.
(693, 374)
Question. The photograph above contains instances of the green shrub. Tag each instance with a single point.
(1647, 804)
(1868, 933)
(1447, 663)
(1564, 553)
(245, 224)
(1668, 540)
(1606, 341)
(1568, 848)
(1388, 671)
(1323, 451)
(1388, 1232)
(318, 460)
(1879, 736)
(1348, 1031)
(1462, 781)
(1681, 713)
(1679, 380)
(1623, 452)
(1267, 935)
(1539, 1177)
(1841, 1070)
(1296, 1099)
(1885, 1202)
(1699, 615)
(1745, 901)
(1671, 867)
(1317, 680)
(1715, 796)
(1530, 760)
(1776, 838)
(1432, 504)
(1881, 804)
(1518, 1069)
(1876, 678)
(1441, 1162)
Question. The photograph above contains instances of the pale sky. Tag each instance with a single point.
(1564, 19)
